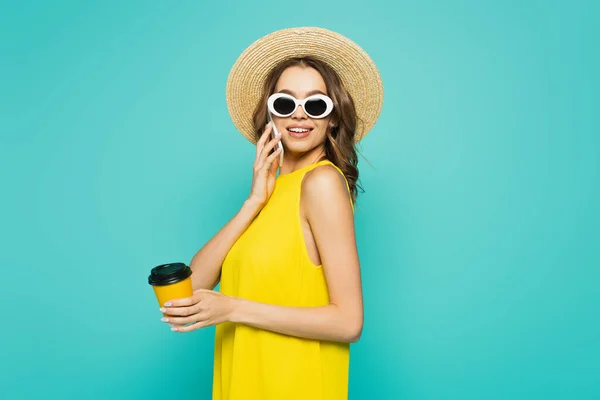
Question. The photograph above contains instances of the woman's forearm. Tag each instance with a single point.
(321, 323)
(206, 264)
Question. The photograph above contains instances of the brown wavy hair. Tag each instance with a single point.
(340, 147)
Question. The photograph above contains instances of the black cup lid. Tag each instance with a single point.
(167, 274)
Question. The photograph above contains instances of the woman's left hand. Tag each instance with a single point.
(204, 308)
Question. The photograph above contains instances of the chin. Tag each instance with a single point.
(297, 148)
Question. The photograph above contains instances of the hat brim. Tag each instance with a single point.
(357, 71)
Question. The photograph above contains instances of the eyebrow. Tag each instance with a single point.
(307, 94)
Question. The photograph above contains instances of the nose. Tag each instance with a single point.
(299, 113)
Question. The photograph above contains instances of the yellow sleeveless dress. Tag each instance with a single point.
(269, 263)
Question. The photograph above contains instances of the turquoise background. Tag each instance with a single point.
(478, 230)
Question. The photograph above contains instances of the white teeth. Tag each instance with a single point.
(298, 130)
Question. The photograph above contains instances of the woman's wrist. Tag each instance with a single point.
(235, 309)
(252, 205)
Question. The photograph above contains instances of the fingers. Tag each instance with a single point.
(262, 161)
(188, 301)
(195, 298)
(186, 311)
(272, 162)
(261, 142)
(181, 311)
(267, 149)
(263, 149)
(188, 323)
(186, 306)
(177, 321)
(190, 328)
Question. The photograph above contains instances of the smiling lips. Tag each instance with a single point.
(299, 131)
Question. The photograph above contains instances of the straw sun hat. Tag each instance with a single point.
(357, 71)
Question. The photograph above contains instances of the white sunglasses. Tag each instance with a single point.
(315, 106)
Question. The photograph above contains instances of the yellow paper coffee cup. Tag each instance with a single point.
(170, 282)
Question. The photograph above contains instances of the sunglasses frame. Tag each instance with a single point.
(276, 96)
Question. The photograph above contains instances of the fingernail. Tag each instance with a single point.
(174, 329)
(162, 309)
(278, 134)
(168, 304)
(164, 319)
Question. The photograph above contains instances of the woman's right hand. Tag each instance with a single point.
(265, 167)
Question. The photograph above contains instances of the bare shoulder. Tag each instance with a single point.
(322, 183)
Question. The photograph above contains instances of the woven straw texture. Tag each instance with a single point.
(355, 68)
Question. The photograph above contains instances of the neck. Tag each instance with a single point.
(293, 162)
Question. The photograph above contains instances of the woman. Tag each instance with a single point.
(290, 299)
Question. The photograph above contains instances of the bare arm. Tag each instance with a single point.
(320, 323)
(206, 264)
(332, 223)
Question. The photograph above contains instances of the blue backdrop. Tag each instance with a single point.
(477, 233)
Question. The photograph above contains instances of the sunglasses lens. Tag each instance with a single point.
(315, 107)
(284, 106)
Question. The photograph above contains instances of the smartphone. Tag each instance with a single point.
(279, 145)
